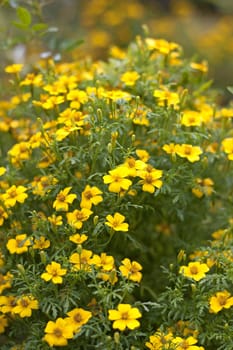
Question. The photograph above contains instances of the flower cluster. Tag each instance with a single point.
(107, 170)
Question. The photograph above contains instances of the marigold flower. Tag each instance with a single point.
(124, 317)
(91, 195)
(25, 305)
(5, 281)
(14, 68)
(159, 341)
(41, 243)
(82, 260)
(202, 67)
(2, 170)
(77, 97)
(53, 273)
(106, 262)
(167, 98)
(32, 79)
(129, 78)
(7, 303)
(187, 344)
(194, 270)
(205, 187)
(13, 195)
(3, 323)
(77, 217)
(77, 318)
(3, 215)
(58, 332)
(221, 300)
(19, 244)
(151, 180)
(117, 179)
(192, 153)
(78, 239)
(191, 118)
(227, 145)
(55, 220)
(116, 222)
(131, 270)
(63, 199)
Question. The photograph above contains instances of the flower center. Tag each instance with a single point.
(124, 316)
(57, 332)
(193, 270)
(222, 300)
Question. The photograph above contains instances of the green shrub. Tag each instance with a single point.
(112, 174)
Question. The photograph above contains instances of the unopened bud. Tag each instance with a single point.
(21, 269)
(95, 220)
(43, 257)
(109, 148)
(117, 337)
(99, 114)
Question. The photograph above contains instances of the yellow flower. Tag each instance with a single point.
(14, 68)
(151, 179)
(77, 97)
(52, 101)
(90, 195)
(202, 67)
(41, 243)
(77, 217)
(19, 244)
(162, 46)
(77, 318)
(227, 145)
(167, 98)
(55, 220)
(25, 305)
(221, 300)
(3, 215)
(192, 153)
(194, 270)
(14, 194)
(186, 344)
(58, 332)
(117, 179)
(159, 341)
(82, 261)
(170, 148)
(116, 222)
(63, 199)
(143, 155)
(106, 262)
(7, 303)
(54, 273)
(32, 79)
(2, 170)
(191, 118)
(129, 78)
(78, 239)
(131, 270)
(205, 187)
(133, 165)
(124, 317)
(3, 323)
(5, 281)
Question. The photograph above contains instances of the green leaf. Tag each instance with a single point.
(39, 26)
(70, 44)
(230, 89)
(24, 16)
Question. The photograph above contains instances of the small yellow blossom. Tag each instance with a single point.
(13, 195)
(117, 179)
(5, 281)
(221, 300)
(104, 261)
(25, 305)
(186, 344)
(91, 195)
(167, 98)
(7, 303)
(130, 78)
(3, 323)
(77, 97)
(53, 273)
(194, 270)
(77, 217)
(77, 318)
(55, 220)
(82, 261)
(131, 270)
(159, 341)
(78, 239)
(202, 67)
(191, 118)
(204, 187)
(14, 68)
(58, 332)
(124, 317)
(63, 199)
(227, 145)
(3, 215)
(19, 244)
(150, 179)
(41, 243)
(192, 153)
(116, 222)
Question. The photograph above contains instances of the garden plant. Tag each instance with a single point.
(116, 198)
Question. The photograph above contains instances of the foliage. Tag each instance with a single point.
(116, 204)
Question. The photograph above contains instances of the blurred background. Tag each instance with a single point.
(203, 27)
